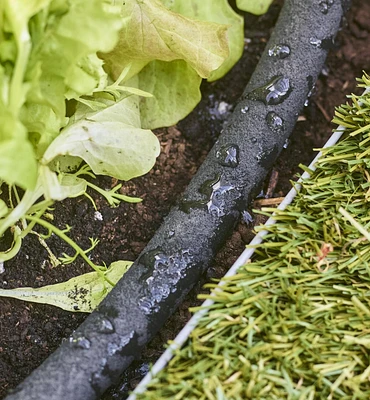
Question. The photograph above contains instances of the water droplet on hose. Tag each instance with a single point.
(228, 155)
(214, 201)
(274, 122)
(216, 204)
(325, 44)
(286, 143)
(324, 8)
(105, 325)
(245, 109)
(279, 51)
(266, 157)
(168, 270)
(273, 93)
(315, 42)
(311, 88)
(119, 344)
(79, 341)
(325, 5)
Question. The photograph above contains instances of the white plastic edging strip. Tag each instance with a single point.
(242, 260)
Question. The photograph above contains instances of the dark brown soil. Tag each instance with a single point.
(30, 332)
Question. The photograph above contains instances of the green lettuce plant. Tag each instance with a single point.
(82, 82)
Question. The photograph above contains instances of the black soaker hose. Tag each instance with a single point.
(113, 335)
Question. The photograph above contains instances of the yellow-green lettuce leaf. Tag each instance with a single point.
(218, 11)
(152, 32)
(257, 7)
(82, 293)
(175, 88)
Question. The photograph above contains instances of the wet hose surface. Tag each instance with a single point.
(113, 335)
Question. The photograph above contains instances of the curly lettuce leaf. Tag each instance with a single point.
(17, 162)
(67, 59)
(220, 12)
(82, 293)
(47, 54)
(15, 18)
(152, 32)
(257, 7)
(111, 141)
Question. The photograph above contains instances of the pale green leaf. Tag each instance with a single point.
(50, 184)
(152, 32)
(175, 87)
(257, 7)
(82, 293)
(42, 124)
(16, 15)
(218, 11)
(18, 163)
(62, 186)
(110, 141)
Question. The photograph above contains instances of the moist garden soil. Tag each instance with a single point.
(30, 332)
